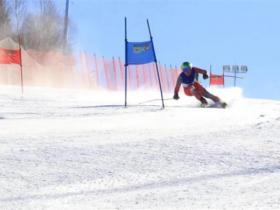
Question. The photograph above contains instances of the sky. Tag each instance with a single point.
(204, 32)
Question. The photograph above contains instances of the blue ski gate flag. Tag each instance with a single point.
(140, 52)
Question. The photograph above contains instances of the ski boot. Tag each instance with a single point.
(221, 104)
(204, 102)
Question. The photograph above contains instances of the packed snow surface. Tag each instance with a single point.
(82, 150)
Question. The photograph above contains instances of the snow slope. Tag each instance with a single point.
(69, 149)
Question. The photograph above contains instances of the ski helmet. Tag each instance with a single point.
(186, 66)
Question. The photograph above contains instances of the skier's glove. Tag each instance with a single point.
(205, 76)
(176, 96)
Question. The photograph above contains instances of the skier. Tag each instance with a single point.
(192, 87)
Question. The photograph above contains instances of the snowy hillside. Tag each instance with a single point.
(66, 149)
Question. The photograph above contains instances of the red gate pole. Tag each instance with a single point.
(21, 70)
(210, 79)
(97, 71)
(115, 84)
(121, 70)
(107, 77)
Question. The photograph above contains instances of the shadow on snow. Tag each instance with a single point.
(148, 186)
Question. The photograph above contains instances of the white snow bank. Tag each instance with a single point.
(70, 149)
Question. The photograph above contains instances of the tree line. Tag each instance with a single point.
(39, 24)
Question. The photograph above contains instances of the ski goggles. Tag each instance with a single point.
(187, 69)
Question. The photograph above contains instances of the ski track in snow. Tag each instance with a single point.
(62, 149)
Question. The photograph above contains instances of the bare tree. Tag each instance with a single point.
(5, 22)
(18, 8)
(44, 31)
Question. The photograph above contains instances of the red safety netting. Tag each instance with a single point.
(110, 74)
(86, 70)
(217, 79)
